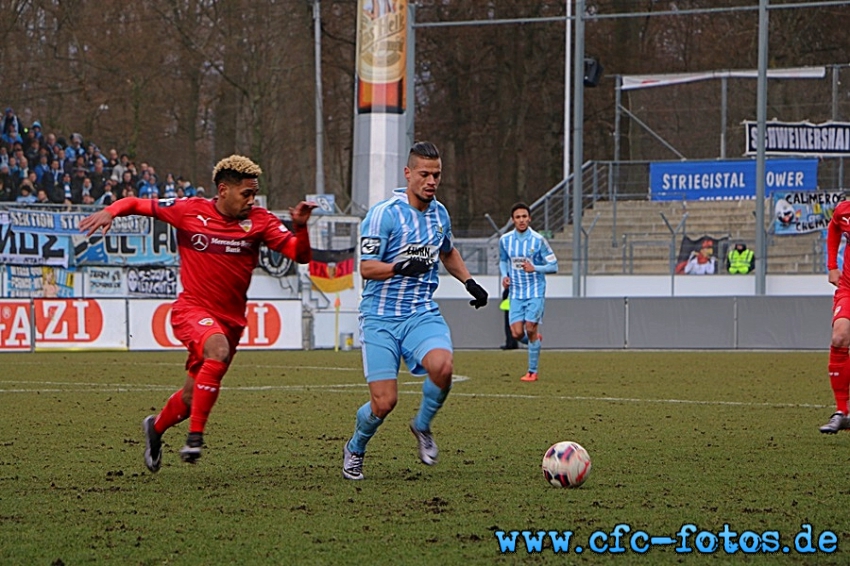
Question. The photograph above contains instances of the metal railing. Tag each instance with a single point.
(552, 212)
(630, 243)
(613, 183)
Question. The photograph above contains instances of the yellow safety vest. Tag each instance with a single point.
(739, 262)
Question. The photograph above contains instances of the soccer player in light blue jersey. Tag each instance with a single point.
(524, 260)
(402, 241)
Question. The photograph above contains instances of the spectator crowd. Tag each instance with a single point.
(45, 168)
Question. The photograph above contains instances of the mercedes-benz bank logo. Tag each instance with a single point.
(200, 242)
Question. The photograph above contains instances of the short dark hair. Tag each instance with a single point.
(231, 177)
(234, 169)
(423, 149)
(520, 206)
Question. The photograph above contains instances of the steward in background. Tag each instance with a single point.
(740, 259)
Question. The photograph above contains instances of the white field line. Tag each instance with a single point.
(128, 387)
(183, 364)
(26, 386)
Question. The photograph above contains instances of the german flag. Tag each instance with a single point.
(332, 271)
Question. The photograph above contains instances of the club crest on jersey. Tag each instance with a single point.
(246, 225)
(206, 322)
(370, 246)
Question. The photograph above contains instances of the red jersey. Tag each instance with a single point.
(218, 254)
(839, 224)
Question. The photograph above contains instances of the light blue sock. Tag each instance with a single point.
(432, 399)
(534, 355)
(364, 429)
(524, 339)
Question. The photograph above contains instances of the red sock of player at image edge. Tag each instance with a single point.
(839, 377)
(207, 385)
(175, 411)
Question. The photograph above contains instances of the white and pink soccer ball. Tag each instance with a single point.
(566, 464)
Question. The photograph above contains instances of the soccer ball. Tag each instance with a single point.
(566, 464)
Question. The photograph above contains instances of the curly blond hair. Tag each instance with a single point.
(235, 168)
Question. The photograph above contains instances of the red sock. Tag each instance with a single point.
(175, 411)
(839, 377)
(207, 384)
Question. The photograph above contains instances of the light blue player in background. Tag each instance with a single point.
(402, 241)
(524, 258)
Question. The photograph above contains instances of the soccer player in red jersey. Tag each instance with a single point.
(839, 360)
(219, 242)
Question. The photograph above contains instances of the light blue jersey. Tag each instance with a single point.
(393, 231)
(517, 247)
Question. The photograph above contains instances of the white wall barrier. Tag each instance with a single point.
(795, 314)
(122, 324)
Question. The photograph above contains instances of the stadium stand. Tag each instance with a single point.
(631, 237)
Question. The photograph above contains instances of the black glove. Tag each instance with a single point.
(411, 267)
(478, 292)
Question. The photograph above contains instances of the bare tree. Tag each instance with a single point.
(180, 83)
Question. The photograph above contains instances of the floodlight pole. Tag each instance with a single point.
(835, 82)
(724, 90)
(410, 75)
(568, 30)
(761, 113)
(578, 122)
(320, 129)
(568, 51)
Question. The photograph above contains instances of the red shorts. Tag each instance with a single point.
(841, 305)
(193, 325)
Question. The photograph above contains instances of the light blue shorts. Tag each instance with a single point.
(526, 310)
(386, 340)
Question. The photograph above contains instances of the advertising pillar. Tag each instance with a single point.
(380, 136)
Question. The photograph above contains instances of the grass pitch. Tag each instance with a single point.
(706, 438)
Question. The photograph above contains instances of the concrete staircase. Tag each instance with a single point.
(631, 237)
